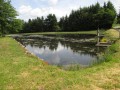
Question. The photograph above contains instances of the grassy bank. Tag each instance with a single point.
(22, 71)
(79, 32)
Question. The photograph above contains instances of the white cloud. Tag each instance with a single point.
(27, 12)
(58, 7)
(24, 9)
(53, 2)
(50, 2)
(116, 4)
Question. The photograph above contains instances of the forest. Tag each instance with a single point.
(83, 19)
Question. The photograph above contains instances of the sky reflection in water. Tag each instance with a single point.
(61, 52)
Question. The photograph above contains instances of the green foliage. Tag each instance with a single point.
(48, 24)
(110, 52)
(86, 18)
(114, 48)
(111, 7)
(16, 26)
(57, 28)
(89, 18)
(51, 23)
(113, 36)
(7, 16)
(108, 18)
(104, 40)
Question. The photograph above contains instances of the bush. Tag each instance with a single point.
(104, 40)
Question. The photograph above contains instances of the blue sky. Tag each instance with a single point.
(37, 8)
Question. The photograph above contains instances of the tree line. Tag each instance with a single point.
(89, 18)
(86, 18)
(41, 24)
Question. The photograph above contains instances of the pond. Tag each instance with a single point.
(62, 49)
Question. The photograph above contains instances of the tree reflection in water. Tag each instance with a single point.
(62, 49)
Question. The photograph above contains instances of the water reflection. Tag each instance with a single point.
(62, 50)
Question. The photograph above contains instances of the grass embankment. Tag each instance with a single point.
(22, 71)
(79, 32)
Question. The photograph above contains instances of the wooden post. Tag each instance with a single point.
(98, 35)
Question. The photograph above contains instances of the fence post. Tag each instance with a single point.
(98, 38)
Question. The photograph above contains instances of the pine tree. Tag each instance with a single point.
(111, 7)
(51, 23)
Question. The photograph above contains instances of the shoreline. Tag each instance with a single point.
(23, 71)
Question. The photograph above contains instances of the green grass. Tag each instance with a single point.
(79, 32)
(20, 70)
(115, 25)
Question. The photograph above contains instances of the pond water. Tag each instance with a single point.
(62, 49)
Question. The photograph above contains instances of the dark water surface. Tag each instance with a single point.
(62, 49)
